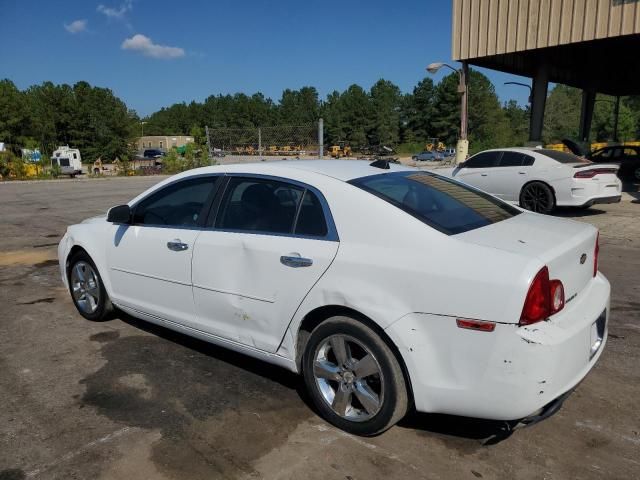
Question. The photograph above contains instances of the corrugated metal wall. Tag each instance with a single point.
(489, 27)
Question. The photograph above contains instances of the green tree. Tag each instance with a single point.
(419, 111)
(386, 101)
(14, 115)
(518, 120)
(562, 114)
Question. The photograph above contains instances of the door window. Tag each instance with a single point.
(178, 205)
(483, 160)
(311, 221)
(259, 205)
(515, 159)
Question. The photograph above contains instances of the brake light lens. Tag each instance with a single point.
(544, 298)
(536, 305)
(593, 172)
(596, 252)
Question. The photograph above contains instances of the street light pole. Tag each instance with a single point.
(142, 128)
(462, 148)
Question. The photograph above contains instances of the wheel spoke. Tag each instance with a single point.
(327, 370)
(367, 397)
(341, 401)
(91, 301)
(340, 349)
(79, 273)
(365, 366)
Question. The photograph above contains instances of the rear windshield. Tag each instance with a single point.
(563, 157)
(439, 202)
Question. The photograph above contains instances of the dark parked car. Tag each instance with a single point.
(153, 153)
(627, 156)
(428, 156)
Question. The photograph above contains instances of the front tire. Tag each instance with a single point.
(537, 197)
(353, 377)
(87, 289)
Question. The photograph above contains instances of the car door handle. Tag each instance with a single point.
(177, 245)
(295, 261)
(522, 173)
(483, 174)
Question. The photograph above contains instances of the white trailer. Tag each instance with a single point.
(68, 159)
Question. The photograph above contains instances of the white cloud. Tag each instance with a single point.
(145, 46)
(117, 13)
(76, 26)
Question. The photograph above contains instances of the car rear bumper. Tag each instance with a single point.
(587, 192)
(611, 199)
(512, 373)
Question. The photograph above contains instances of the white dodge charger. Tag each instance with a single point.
(540, 179)
(386, 287)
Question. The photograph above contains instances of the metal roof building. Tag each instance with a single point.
(589, 44)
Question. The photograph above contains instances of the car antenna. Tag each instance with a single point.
(381, 163)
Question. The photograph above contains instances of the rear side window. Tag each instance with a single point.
(178, 205)
(562, 157)
(441, 203)
(515, 159)
(311, 219)
(483, 160)
(258, 205)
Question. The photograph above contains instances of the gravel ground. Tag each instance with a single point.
(125, 399)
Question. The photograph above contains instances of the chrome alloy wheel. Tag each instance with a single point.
(349, 378)
(85, 287)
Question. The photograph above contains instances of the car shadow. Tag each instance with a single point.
(258, 367)
(576, 212)
(473, 432)
(451, 427)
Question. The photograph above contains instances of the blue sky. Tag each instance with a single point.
(153, 53)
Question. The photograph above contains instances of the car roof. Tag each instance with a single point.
(344, 170)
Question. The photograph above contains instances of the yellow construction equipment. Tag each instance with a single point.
(435, 145)
(339, 151)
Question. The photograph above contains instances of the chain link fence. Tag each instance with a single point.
(279, 141)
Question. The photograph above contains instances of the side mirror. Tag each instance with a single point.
(119, 214)
(461, 165)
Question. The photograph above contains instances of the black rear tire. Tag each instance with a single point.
(103, 307)
(386, 387)
(537, 197)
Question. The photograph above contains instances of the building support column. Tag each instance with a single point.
(586, 114)
(538, 102)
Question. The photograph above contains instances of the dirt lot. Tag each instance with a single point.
(124, 399)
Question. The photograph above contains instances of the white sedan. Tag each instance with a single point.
(321, 266)
(540, 179)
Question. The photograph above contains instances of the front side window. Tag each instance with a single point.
(483, 160)
(441, 203)
(178, 205)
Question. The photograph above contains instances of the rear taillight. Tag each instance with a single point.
(593, 172)
(544, 298)
(596, 252)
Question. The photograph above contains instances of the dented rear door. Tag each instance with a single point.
(244, 291)
(270, 241)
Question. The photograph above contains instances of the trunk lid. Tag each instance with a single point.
(564, 246)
